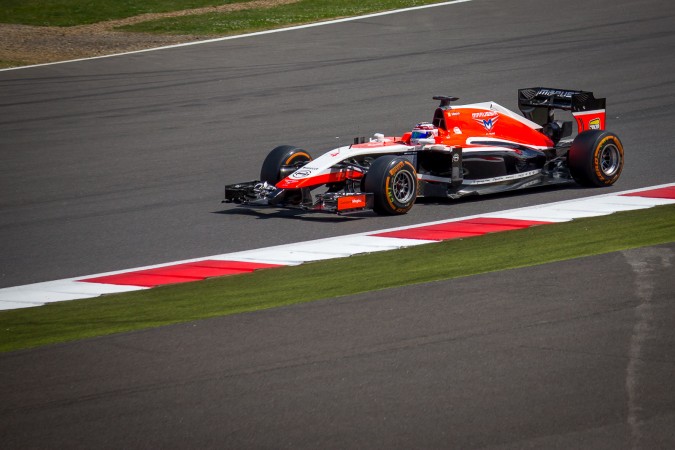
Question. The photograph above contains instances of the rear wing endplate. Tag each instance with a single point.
(537, 104)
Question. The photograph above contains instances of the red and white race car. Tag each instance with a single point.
(473, 149)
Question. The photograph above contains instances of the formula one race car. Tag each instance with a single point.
(473, 149)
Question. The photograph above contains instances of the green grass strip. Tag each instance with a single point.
(246, 21)
(78, 319)
(64, 13)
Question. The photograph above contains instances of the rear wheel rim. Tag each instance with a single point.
(403, 187)
(610, 160)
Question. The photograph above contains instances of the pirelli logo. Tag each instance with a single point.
(396, 168)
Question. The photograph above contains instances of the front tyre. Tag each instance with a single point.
(596, 158)
(281, 162)
(393, 182)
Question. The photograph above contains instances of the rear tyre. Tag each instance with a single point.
(596, 158)
(393, 182)
(281, 162)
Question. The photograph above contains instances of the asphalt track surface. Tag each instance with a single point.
(576, 354)
(119, 162)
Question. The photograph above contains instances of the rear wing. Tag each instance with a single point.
(538, 104)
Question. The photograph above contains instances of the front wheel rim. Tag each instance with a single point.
(403, 187)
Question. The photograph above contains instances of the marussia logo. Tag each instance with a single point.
(554, 92)
(487, 119)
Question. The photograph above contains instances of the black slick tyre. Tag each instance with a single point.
(281, 162)
(393, 182)
(596, 158)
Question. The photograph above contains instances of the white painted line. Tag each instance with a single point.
(287, 257)
(531, 214)
(572, 213)
(247, 35)
(643, 189)
(251, 256)
(605, 205)
(638, 202)
(30, 296)
(555, 212)
(6, 306)
(75, 287)
(318, 250)
(368, 244)
(37, 294)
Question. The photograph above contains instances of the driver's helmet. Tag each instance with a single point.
(423, 130)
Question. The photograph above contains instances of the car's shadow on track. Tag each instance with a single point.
(271, 213)
(296, 214)
(431, 201)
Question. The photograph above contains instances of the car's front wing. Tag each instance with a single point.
(261, 194)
